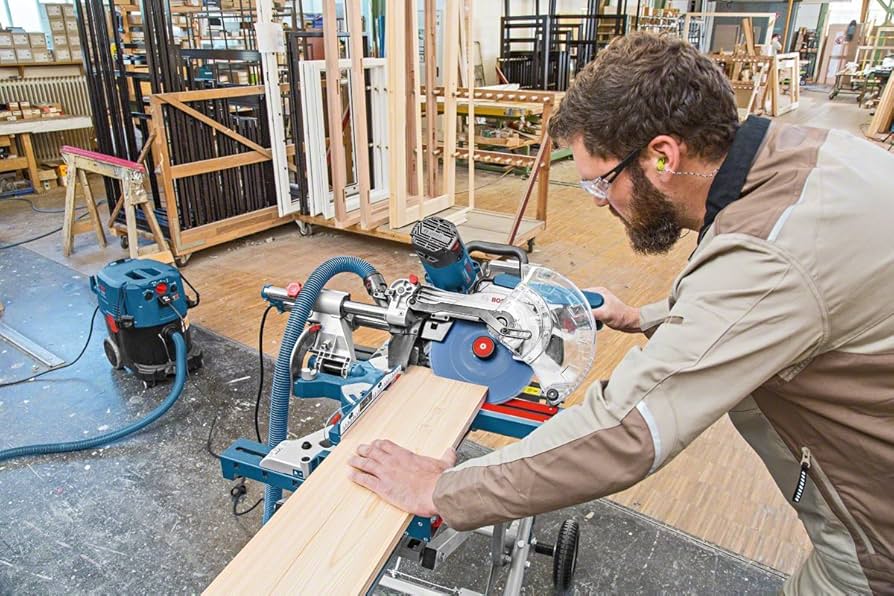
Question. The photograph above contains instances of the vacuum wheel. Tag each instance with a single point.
(565, 557)
(112, 353)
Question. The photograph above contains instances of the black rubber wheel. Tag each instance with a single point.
(112, 353)
(565, 557)
(530, 245)
(124, 242)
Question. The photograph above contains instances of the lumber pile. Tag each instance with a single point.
(764, 85)
(415, 117)
(884, 112)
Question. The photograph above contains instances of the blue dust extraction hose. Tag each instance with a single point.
(279, 398)
(105, 439)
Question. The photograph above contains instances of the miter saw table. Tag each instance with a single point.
(524, 331)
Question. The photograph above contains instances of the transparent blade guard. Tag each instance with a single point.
(563, 332)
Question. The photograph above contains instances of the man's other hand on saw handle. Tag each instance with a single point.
(615, 313)
(399, 476)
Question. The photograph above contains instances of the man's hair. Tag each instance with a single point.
(644, 85)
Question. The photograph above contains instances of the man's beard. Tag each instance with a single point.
(654, 225)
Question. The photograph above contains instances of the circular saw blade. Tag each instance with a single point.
(453, 358)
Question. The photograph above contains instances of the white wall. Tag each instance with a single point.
(486, 31)
(808, 16)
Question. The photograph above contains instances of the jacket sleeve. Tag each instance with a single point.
(742, 312)
(651, 316)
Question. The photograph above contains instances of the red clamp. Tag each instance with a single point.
(293, 289)
(413, 279)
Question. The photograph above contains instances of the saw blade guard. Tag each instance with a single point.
(562, 344)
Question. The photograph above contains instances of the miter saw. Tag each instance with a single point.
(523, 331)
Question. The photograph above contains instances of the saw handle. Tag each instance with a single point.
(495, 248)
(595, 300)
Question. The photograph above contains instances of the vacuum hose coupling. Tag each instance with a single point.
(376, 287)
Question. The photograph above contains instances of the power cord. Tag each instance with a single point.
(50, 233)
(208, 448)
(210, 438)
(261, 376)
(237, 494)
(40, 374)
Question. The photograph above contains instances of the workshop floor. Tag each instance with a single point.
(153, 515)
(717, 490)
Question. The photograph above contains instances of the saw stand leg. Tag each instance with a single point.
(70, 224)
(511, 545)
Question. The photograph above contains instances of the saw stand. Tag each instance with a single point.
(130, 174)
(511, 545)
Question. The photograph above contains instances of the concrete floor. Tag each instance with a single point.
(153, 515)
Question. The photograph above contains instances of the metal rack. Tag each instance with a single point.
(543, 51)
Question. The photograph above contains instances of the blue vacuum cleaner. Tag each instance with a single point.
(144, 305)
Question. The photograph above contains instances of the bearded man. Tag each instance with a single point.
(783, 317)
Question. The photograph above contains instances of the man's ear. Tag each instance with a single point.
(663, 154)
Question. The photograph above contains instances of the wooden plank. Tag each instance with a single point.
(358, 107)
(542, 153)
(748, 31)
(163, 160)
(544, 166)
(215, 164)
(451, 55)
(332, 536)
(144, 152)
(220, 93)
(334, 108)
(498, 95)
(496, 157)
(884, 112)
(28, 150)
(413, 131)
(470, 86)
(232, 228)
(18, 163)
(69, 217)
(431, 111)
(397, 111)
(218, 126)
(93, 212)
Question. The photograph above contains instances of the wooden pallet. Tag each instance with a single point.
(473, 224)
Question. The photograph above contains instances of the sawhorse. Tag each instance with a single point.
(130, 174)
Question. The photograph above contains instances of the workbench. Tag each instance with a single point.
(23, 129)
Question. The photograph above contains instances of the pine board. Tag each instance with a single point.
(332, 536)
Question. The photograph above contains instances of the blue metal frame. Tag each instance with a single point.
(243, 459)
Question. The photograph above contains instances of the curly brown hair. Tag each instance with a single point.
(644, 85)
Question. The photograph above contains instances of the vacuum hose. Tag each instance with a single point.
(282, 391)
(105, 439)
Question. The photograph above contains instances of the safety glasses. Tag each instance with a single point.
(598, 186)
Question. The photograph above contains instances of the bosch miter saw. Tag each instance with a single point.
(523, 331)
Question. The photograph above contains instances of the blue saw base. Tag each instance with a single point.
(503, 375)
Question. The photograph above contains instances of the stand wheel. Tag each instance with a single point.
(833, 94)
(304, 228)
(530, 248)
(112, 353)
(123, 241)
(565, 557)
